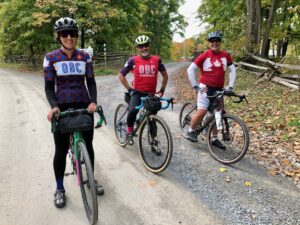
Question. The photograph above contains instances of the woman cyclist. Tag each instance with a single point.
(65, 71)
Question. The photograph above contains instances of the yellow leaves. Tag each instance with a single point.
(222, 170)
(40, 18)
(247, 183)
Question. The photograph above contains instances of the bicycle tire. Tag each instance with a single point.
(163, 136)
(235, 133)
(120, 124)
(185, 116)
(87, 184)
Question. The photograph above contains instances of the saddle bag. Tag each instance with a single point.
(72, 123)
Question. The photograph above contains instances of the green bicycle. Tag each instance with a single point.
(80, 160)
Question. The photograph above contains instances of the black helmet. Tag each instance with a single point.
(65, 23)
(215, 35)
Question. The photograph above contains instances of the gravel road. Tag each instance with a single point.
(191, 191)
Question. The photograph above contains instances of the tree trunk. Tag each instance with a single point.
(279, 49)
(254, 24)
(257, 29)
(82, 38)
(285, 46)
(265, 45)
(31, 56)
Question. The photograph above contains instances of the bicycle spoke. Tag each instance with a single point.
(155, 144)
(120, 124)
(185, 117)
(234, 137)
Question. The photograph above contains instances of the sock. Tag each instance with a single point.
(60, 184)
(214, 138)
(190, 129)
(129, 130)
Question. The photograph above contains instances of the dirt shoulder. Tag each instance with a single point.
(273, 119)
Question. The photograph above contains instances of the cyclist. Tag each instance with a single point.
(213, 64)
(145, 68)
(65, 72)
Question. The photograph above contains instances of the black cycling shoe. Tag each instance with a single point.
(192, 136)
(155, 148)
(218, 144)
(59, 198)
(99, 188)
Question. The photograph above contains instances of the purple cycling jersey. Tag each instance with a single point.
(68, 75)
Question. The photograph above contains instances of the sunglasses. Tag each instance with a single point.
(143, 46)
(66, 33)
(214, 40)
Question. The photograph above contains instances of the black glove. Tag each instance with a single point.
(130, 91)
(229, 89)
(197, 88)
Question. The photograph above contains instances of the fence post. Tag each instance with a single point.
(104, 53)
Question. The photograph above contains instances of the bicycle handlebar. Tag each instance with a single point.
(99, 110)
(168, 100)
(225, 92)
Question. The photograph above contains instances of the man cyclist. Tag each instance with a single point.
(145, 68)
(213, 64)
(65, 72)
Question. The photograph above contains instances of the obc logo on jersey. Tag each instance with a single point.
(147, 70)
(66, 68)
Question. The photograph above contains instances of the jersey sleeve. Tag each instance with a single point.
(161, 66)
(129, 65)
(229, 59)
(49, 77)
(89, 66)
(200, 59)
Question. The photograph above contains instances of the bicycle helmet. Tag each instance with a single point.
(65, 23)
(141, 40)
(215, 35)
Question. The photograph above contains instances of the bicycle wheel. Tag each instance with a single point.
(87, 184)
(155, 144)
(234, 136)
(185, 117)
(120, 124)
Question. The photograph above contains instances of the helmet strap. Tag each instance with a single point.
(58, 39)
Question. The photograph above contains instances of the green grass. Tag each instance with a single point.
(99, 71)
(272, 107)
(36, 69)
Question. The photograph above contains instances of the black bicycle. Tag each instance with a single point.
(154, 137)
(230, 130)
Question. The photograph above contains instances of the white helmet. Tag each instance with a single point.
(140, 40)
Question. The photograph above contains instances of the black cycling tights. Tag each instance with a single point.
(61, 151)
(62, 143)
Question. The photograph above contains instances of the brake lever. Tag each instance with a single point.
(101, 114)
(172, 103)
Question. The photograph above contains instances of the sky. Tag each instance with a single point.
(189, 11)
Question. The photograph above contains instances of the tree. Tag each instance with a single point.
(266, 41)
(157, 18)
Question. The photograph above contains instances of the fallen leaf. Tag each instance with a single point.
(227, 179)
(222, 170)
(248, 183)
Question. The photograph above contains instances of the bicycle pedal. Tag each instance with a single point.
(69, 173)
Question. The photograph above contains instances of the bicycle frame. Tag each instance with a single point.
(148, 113)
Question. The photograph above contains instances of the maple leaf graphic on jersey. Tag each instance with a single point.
(217, 63)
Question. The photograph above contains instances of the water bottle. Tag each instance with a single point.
(218, 120)
(141, 115)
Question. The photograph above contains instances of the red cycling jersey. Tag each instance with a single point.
(212, 67)
(144, 72)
